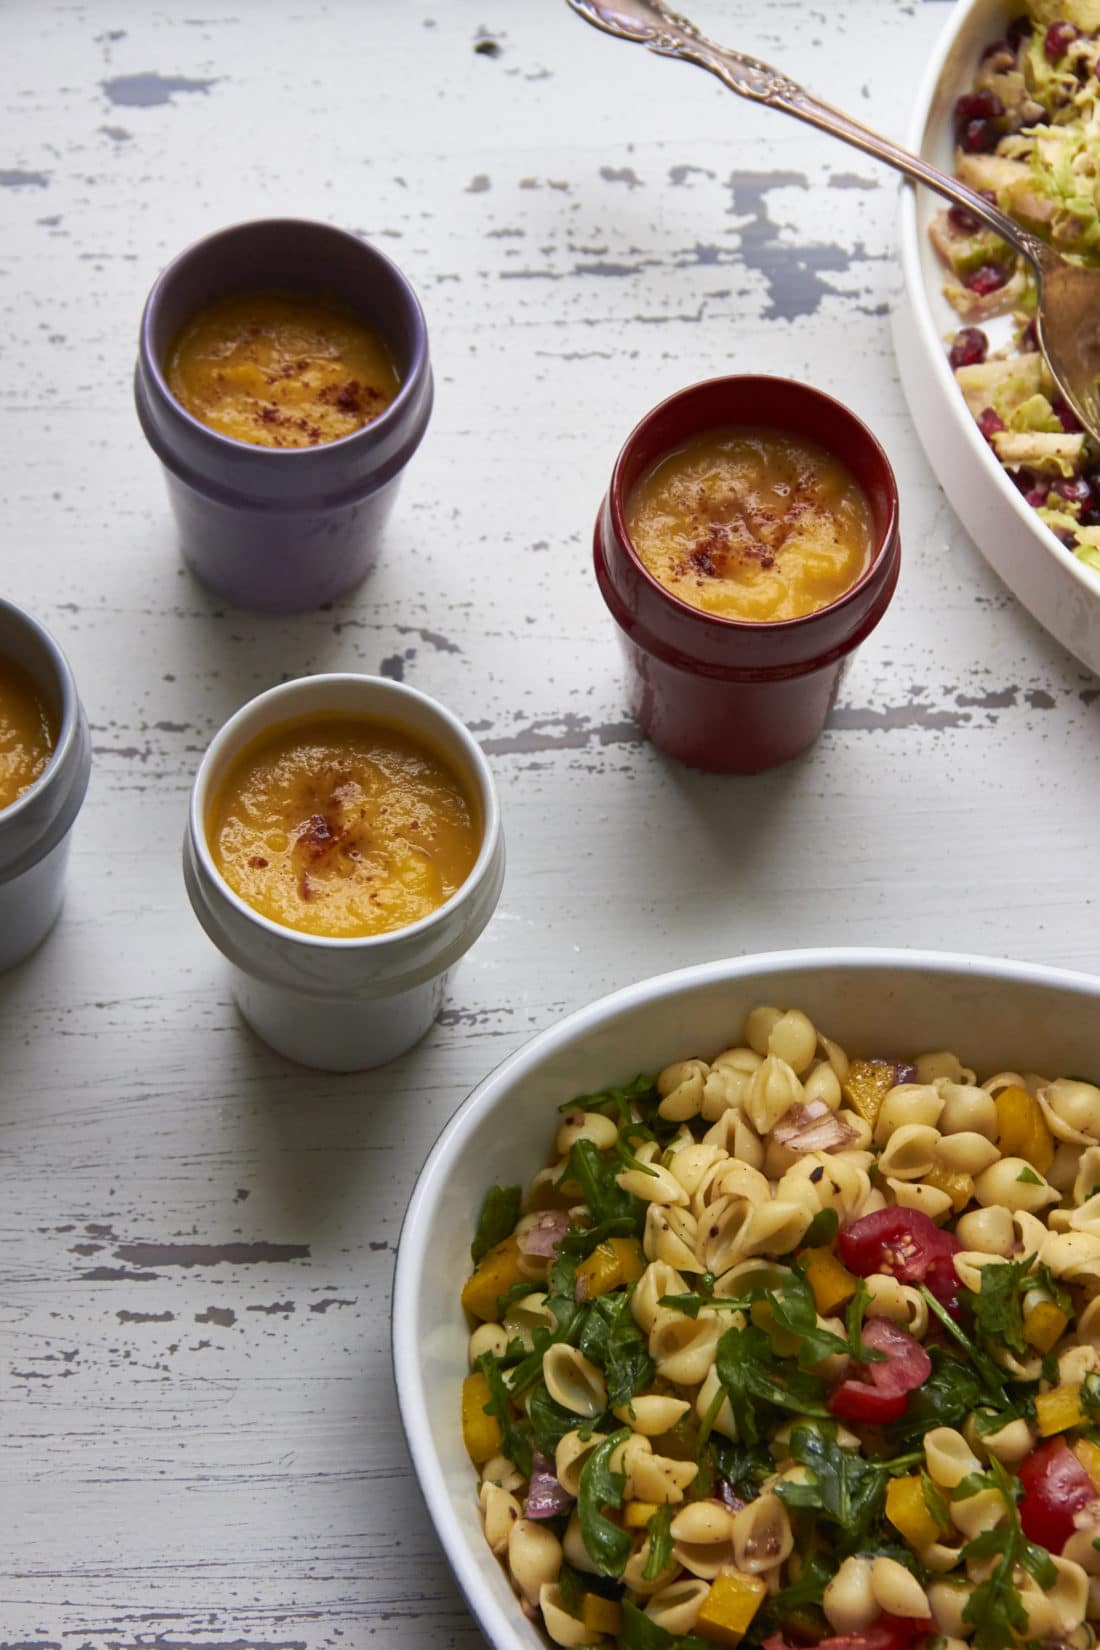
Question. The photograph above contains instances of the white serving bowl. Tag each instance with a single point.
(1061, 592)
(994, 1014)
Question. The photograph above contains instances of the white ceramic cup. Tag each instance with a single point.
(343, 1004)
(36, 829)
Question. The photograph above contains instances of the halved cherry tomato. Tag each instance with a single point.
(1056, 1486)
(887, 1633)
(878, 1392)
(906, 1245)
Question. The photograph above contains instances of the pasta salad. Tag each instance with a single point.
(787, 1349)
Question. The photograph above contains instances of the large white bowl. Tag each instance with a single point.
(1059, 590)
(994, 1014)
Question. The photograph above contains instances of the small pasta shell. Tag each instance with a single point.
(762, 1538)
(487, 1337)
(659, 1478)
(1087, 1180)
(918, 1194)
(653, 1184)
(966, 1152)
(978, 1512)
(682, 1347)
(758, 1026)
(560, 1625)
(948, 1457)
(499, 1470)
(534, 1557)
(569, 1458)
(573, 1381)
(702, 1536)
(835, 1055)
(671, 1235)
(948, 1600)
(633, 1575)
(774, 1089)
(1010, 1443)
(737, 1179)
(896, 1590)
(585, 1125)
(658, 1279)
(681, 1089)
(652, 1413)
(793, 1039)
(910, 1152)
(822, 1083)
(676, 1608)
(723, 1421)
(849, 1601)
(966, 1109)
(1071, 1255)
(907, 1103)
(938, 1065)
(723, 1088)
(988, 1230)
(573, 1546)
(1072, 1110)
(499, 1511)
(1014, 1184)
(693, 1164)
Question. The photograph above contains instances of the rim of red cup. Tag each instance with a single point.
(648, 442)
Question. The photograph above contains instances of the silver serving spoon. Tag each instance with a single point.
(1068, 314)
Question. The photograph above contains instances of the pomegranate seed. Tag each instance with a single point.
(990, 423)
(1022, 480)
(1037, 497)
(1074, 489)
(986, 279)
(969, 348)
(979, 137)
(993, 48)
(1058, 39)
(984, 105)
(1018, 30)
(1090, 516)
(1029, 339)
(1066, 537)
(1065, 415)
(965, 222)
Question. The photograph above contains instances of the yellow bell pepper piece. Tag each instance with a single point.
(959, 1187)
(729, 1607)
(480, 1432)
(1059, 1409)
(493, 1274)
(830, 1280)
(866, 1086)
(1089, 1456)
(908, 1513)
(600, 1615)
(637, 1514)
(611, 1264)
(1022, 1128)
(1044, 1325)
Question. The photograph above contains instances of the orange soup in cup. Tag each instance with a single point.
(28, 733)
(281, 369)
(342, 826)
(751, 524)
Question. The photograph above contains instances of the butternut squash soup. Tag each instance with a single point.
(751, 524)
(281, 369)
(343, 826)
(28, 733)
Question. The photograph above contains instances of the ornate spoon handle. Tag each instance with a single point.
(651, 24)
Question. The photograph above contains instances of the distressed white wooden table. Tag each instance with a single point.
(201, 1445)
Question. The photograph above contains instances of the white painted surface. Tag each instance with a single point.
(202, 1446)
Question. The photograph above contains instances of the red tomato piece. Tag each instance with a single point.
(1056, 1486)
(887, 1633)
(906, 1245)
(878, 1392)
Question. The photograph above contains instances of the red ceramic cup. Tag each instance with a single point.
(727, 694)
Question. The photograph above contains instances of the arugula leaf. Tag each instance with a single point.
(997, 1305)
(610, 1338)
(743, 1466)
(948, 1396)
(935, 1502)
(844, 1487)
(568, 1317)
(550, 1421)
(606, 1544)
(660, 1542)
(515, 1437)
(793, 1308)
(994, 1609)
(822, 1230)
(497, 1220)
(984, 1367)
(748, 1369)
(693, 1303)
(572, 1587)
(607, 1203)
(640, 1632)
(621, 1100)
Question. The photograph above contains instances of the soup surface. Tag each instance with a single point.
(342, 826)
(28, 733)
(281, 369)
(751, 524)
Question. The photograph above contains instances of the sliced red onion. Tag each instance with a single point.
(725, 1493)
(813, 1128)
(543, 1237)
(546, 1497)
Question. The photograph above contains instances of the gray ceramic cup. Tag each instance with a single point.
(283, 530)
(35, 831)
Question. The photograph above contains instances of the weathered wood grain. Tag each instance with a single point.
(201, 1437)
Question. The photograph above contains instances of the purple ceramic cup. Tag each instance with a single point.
(282, 530)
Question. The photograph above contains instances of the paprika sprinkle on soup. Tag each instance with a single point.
(281, 369)
(751, 524)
